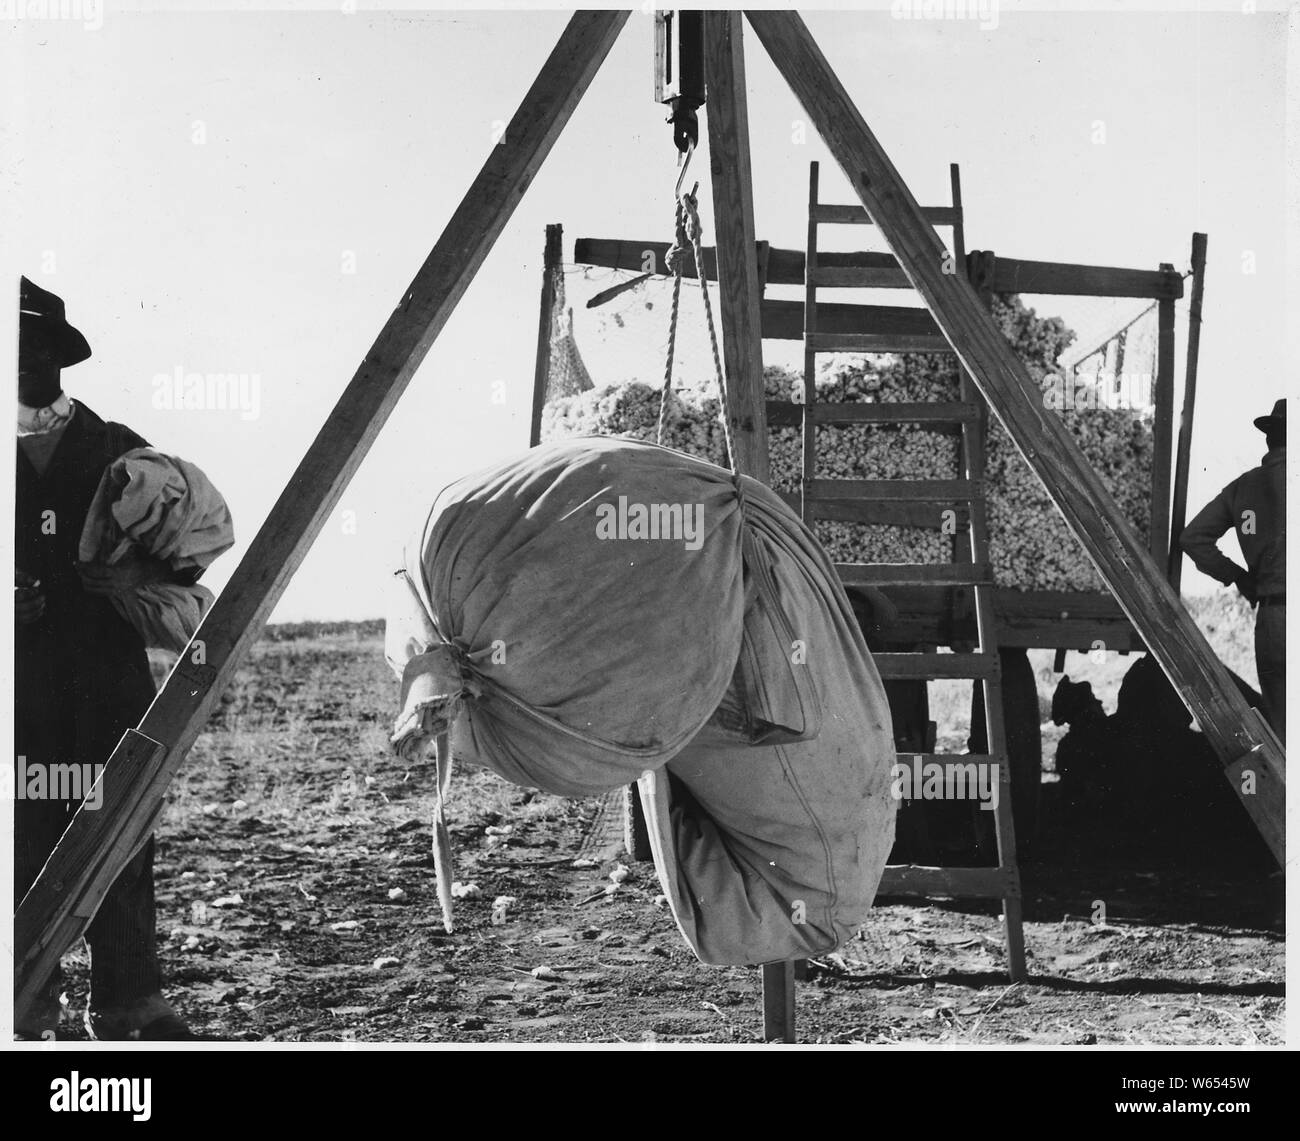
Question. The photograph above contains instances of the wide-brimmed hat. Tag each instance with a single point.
(46, 344)
(1277, 419)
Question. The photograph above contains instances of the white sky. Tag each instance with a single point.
(329, 133)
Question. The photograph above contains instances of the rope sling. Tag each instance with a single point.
(437, 717)
(688, 231)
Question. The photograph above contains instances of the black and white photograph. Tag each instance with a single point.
(674, 530)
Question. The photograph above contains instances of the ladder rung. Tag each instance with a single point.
(890, 513)
(857, 277)
(911, 490)
(887, 412)
(784, 414)
(858, 216)
(789, 413)
(931, 667)
(915, 574)
(877, 343)
(955, 883)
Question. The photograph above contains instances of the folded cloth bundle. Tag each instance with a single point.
(168, 509)
(602, 610)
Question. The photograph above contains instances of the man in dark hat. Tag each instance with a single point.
(81, 671)
(1254, 505)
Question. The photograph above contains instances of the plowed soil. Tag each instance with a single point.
(296, 902)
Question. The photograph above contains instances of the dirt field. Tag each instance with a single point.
(296, 903)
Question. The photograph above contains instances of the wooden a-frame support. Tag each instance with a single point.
(1252, 756)
(96, 845)
(727, 116)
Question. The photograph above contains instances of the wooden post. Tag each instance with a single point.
(1178, 514)
(551, 258)
(733, 219)
(881, 270)
(958, 220)
(962, 608)
(742, 345)
(1163, 429)
(1046, 444)
(808, 425)
(778, 1002)
(55, 911)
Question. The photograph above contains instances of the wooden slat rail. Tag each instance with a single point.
(784, 267)
(858, 277)
(928, 413)
(938, 883)
(915, 574)
(784, 320)
(880, 512)
(878, 343)
(934, 414)
(1008, 275)
(858, 216)
(909, 490)
(1014, 275)
(784, 413)
(883, 268)
(53, 913)
(1028, 619)
(934, 667)
(1046, 444)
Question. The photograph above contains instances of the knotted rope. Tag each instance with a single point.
(436, 685)
(688, 230)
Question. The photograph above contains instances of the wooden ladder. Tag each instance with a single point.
(894, 501)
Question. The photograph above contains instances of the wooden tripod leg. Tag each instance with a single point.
(742, 345)
(82, 857)
(733, 219)
(1137, 583)
(53, 912)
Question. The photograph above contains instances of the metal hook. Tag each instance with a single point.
(681, 176)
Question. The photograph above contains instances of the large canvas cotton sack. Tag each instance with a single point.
(586, 656)
(770, 852)
(167, 508)
(732, 678)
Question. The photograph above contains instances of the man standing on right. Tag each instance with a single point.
(1254, 505)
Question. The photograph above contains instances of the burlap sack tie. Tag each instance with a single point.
(435, 686)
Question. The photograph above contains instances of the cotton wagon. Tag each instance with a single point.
(1047, 592)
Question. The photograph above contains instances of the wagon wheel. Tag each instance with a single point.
(636, 833)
